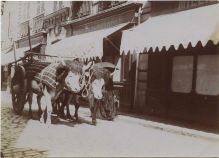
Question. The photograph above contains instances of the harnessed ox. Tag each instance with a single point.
(67, 96)
(49, 83)
(97, 89)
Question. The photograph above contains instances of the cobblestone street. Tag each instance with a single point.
(125, 136)
(11, 127)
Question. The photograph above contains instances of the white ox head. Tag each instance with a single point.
(73, 78)
(73, 81)
(97, 87)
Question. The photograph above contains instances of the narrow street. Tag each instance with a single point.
(125, 136)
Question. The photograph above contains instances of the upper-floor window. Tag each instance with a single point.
(193, 4)
(57, 5)
(81, 8)
(24, 11)
(164, 7)
(40, 7)
(24, 29)
(103, 5)
(38, 23)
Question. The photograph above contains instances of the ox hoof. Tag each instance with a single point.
(39, 114)
(54, 119)
(61, 115)
(30, 116)
(75, 118)
(41, 120)
(69, 117)
(94, 123)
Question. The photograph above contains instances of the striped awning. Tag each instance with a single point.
(185, 27)
(82, 46)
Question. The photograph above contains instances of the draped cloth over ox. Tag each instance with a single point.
(48, 75)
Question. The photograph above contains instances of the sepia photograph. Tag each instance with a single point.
(109, 78)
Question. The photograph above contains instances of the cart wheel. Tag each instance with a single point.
(18, 89)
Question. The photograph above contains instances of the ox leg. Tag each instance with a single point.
(76, 111)
(69, 98)
(93, 108)
(55, 99)
(94, 114)
(76, 107)
(39, 105)
(62, 103)
(30, 100)
(48, 110)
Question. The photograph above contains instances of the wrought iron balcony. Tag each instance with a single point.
(38, 23)
(56, 17)
(24, 29)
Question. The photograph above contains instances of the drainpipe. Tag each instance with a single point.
(43, 43)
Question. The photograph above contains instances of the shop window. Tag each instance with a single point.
(207, 82)
(182, 73)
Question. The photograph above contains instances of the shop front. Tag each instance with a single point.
(177, 66)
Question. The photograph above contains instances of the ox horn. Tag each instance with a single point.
(114, 71)
(61, 60)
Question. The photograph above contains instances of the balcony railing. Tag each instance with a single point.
(104, 5)
(24, 29)
(79, 11)
(56, 17)
(38, 23)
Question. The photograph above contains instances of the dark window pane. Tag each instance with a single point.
(208, 75)
(182, 74)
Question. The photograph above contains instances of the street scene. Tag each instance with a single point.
(109, 79)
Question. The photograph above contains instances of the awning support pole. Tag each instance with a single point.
(29, 36)
(14, 53)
